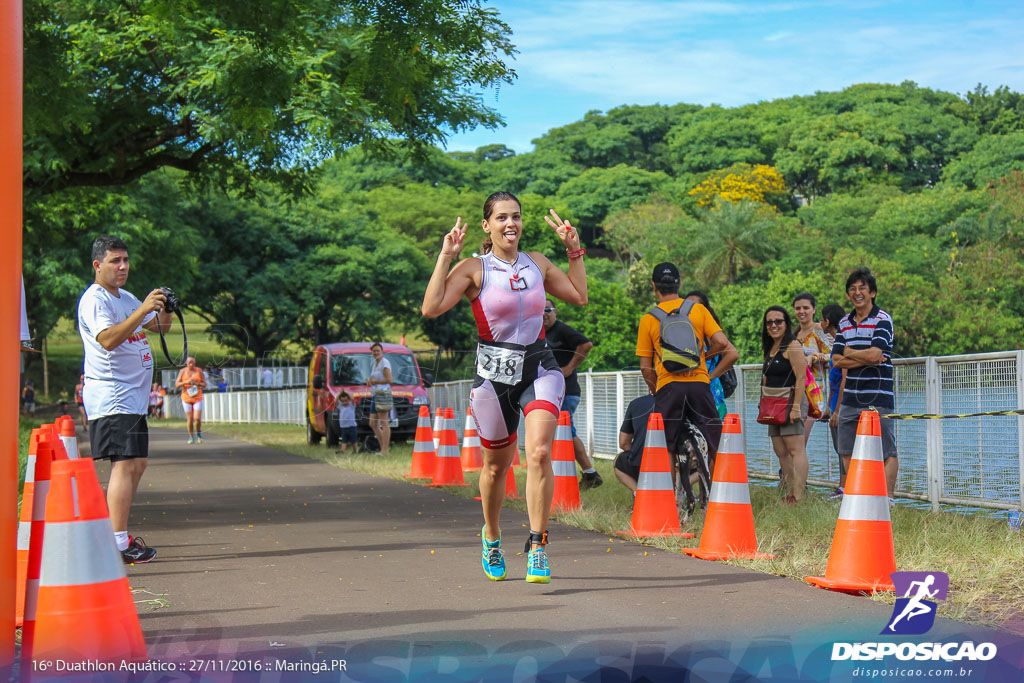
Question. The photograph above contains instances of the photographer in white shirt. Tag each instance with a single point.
(118, 375)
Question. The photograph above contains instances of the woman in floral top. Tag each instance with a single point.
(817, 345)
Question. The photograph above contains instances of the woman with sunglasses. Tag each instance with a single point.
(515, 368)
(785, 366)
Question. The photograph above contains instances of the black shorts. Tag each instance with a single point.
(119, 437)
(678, 401)
(625, 463)
(496, 406)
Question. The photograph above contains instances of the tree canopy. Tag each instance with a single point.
(243, 89)
(186, 129)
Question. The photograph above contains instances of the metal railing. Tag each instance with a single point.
(284, 406)
(976, 461)
(245, 379)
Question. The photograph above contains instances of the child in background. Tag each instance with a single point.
(347, 423)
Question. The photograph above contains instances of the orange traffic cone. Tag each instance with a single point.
(472, 456)
(510, 485)
(85, 610)
(516, 461)
(423, 448)
(729, 522)
(48, 451)
(563, 464)
(438, 426)
(654, 506)
(447, 466)
(66, 429)
(862, 556)
(30, 522)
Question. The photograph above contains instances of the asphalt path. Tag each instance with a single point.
(271, 561)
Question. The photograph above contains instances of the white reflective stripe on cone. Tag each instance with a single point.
(420, 447)
(563, 468)
(30, 469)
(563, 433)
(731, 444)
(80, 553)
(729, 492)
(448, 452)
(70, 447)
(864, 508)
(31, 598)
(867, 448)
(655, 439)
(24, 535)
(654, 481)
(471, 442)
(39, 500)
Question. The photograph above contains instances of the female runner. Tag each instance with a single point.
(515, 370)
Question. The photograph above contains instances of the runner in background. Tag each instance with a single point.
(191, 381)
(515, 369)
(81, 403)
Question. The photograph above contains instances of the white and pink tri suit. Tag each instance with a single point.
(515, 367)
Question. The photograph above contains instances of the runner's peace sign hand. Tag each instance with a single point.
(453, 240)
(568, 234)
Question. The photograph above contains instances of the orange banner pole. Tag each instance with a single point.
(11, 63)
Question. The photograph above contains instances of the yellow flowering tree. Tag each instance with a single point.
(758, 183)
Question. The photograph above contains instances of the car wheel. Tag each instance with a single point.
(312, 436)
(332, 432)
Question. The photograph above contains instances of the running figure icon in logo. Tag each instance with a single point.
(916, 587)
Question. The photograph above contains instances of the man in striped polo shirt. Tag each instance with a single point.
(863, 347)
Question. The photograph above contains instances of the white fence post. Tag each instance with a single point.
(933, 435)
(741, 404)
(1020, 424)
(620, 398)
(590, 411)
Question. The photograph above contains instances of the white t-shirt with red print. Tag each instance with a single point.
(117, 382)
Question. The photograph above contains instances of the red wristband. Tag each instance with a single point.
(576, 254)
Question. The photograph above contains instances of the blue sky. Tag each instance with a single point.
(581, 55)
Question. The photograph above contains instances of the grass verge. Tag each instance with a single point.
(982, 555)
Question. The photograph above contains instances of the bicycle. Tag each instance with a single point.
(694, 458)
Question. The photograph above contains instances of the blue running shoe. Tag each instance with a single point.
(538, 569)
(492, 560)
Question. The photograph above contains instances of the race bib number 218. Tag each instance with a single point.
(499, 364)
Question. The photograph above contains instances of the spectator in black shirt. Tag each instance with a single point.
(570, 347)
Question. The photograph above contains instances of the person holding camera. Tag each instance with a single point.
(118, 374)
(192, 381)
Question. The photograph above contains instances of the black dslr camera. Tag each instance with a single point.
(173, 304)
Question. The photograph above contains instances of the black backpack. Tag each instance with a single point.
(680, 351)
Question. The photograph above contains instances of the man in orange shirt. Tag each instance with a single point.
(682, 395)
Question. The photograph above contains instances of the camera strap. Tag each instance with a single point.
(184, 342)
